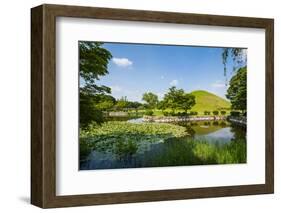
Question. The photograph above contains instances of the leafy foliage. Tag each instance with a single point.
(223, 112)
(215, 112)
(93, 61)
(237, 91)
(105, 102)
(121, 104)
(235, 113)
(238, 56)
(193, 113)
(150, 99)
(186, 102)
(149, 112)
(207, 112)
(177, 99)
(171, 98)
(88, 110)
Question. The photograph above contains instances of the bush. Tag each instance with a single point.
(223, 112)
(173, 114)
(235, 113)
(184, 114)
(193, 113)
(165, 113)
(148, 112)
(215, 112)
(207, 112)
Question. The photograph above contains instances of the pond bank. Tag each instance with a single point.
(242, 121)
(168, 119)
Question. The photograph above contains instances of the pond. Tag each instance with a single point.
(212, 142)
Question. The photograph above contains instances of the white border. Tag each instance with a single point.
(70, 181)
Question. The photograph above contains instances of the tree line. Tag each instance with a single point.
(174, 99)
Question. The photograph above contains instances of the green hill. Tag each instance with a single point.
(209, 102)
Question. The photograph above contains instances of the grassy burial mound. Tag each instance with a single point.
(206, 101)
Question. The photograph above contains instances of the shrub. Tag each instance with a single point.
(184, 114)
(207, 112)
(165, 113)
(173, 114)
(215, 112)
(223, 112)
(193, 113)
(235, 113)
(148, 112)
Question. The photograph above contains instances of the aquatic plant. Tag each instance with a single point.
(115, 128)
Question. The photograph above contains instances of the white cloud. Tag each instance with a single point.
(122, 62)
(116, 88)
(174, 82)
(218, 84)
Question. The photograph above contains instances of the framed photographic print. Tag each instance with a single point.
(136, 106)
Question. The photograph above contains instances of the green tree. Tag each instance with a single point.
(171, 98)
(93, 61)
(105, 102)
(88, 110)
(186, 101)
(151, 99)
(237, 91)
(122, 104)
(161, 105)
(134, 105)
(178, 99)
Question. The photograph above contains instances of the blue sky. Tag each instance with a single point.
(138, 68)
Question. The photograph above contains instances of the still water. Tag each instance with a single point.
(146, 153)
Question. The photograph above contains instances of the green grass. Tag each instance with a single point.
(206, 101)
(184, 151)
